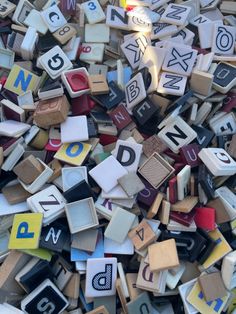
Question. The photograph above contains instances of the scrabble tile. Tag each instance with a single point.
(53, 18)
(228, 270)
(76, 82)
(186, 205)
(218, 161)
(139, 24)
(205, 32)
(73, 153)
(51, 111)
(224, 77)
(28, 169)
(34, 19)
(85, 210)
(109, 180)
(120, 117)
(73, 175)
(228, 199)
(205, 218)
(164, 212)
(142, 235)
(201, 82)
(189, 153)
(180, 59)
(172, 84)
(116, 17)
(93, 11)
(92, 52)
(156, 170)
(140, 304)
(20, 80)
(185, 134)
(155, 206)
(7, 8)
(113, 230)
(131, 184)
(148, 280)
(221, 213)
(183, 178)
(74, 129)
(98, 84)
(223, 124)
(25, 231)
(85, 240)
(221, 249)
(68, 7)
(54, 62)
(35, 301)
(223, 40)
(101, 277)
(128, 154)
(97, 33)
(111, 99)
(54, 237)
(196, 299)
(175, 14)
(131, 279)
(134, 49)
(15, 194)
(212, 286)
(168, 252)
(160, 30)
(135, 91)
(71, 290)
(22, 10)
(48, 202)
(64, 33)
(144, 111)
(173, 278)
(7, 58)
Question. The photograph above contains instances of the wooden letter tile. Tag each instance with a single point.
(142, 235)
(163, 255)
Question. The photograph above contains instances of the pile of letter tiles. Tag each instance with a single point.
(117, 156)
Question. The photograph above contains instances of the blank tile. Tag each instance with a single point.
(107, 173)
(74, 129)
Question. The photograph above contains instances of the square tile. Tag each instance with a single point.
(54, 62)
(135, 91)
(107, 180)
(163, 255)
(48, 202)
(53, 18)
(74, 153)
(134, 48)
(128, 154)
(45, 291)
(142, 235)
(131, 184)
(172, 84)
(212, 286)
(81, 215)
(25, 233)
(101, 274)
(93, 11)
(179, 59)
(177, 134)
(156, 170)
(73, 175)
(223, 40)
(74, 129)
(175, 14)
(120, 217)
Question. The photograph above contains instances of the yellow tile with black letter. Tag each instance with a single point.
(26, 231)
